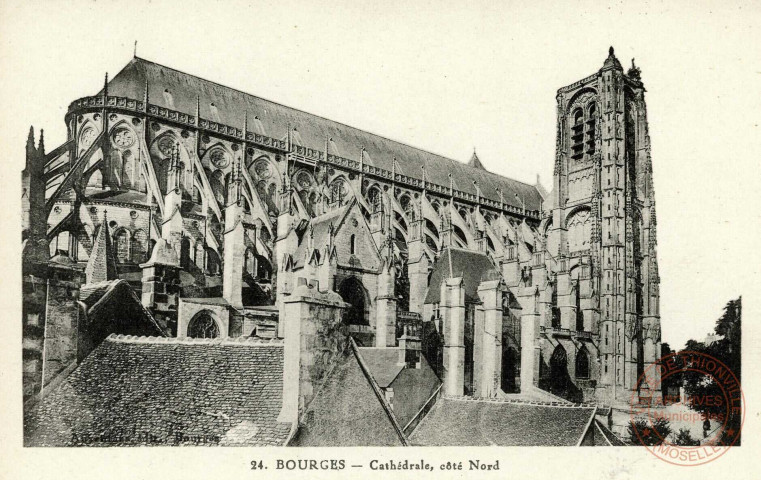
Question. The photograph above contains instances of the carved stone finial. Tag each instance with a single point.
(610, 51)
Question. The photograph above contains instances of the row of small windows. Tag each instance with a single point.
(583, 131)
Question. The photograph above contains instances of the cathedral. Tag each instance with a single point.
(188, 227)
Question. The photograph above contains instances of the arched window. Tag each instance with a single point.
(374, 199)
(139, 246)
(559, 378)
(338, 191)
(582, 363)
(555, 308)
(353, 293)
(213, 263)
(121, 245)
(352, 244)
(409, 208)
(591, 122)
(250, 263)
(128, 170)
(577, 135)
(203, 325)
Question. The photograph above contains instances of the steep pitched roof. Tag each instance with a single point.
(229, 106)
(101, 266)
(349, 409)
(605, 437)
(160, 391)
(473, 267)
(482, 422)
(382, 363)
(97, 296)
(475, 162)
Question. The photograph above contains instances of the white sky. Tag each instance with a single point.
(447, 77)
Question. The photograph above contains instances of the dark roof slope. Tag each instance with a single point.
(474, 267)
(605, 437)
(272, 119)
(482, 422)
(382, 363)
(160, 391)
(114, 293)
(349, 410)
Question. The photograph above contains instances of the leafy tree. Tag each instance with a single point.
(684, 439)
(643, 432)
(726, 349)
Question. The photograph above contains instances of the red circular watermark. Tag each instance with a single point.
(720, 410)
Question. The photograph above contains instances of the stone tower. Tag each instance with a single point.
(603, 216)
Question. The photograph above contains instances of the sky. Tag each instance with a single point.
(447, 77)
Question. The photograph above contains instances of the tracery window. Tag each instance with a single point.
(338, 191)
(203, 326)
(374, 199)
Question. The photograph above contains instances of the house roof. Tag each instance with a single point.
(382, 363)
(605, 437)
(96, 296)
(468, 421)
(166, 391)
(349, 409)
(178, 91)
(473, 267)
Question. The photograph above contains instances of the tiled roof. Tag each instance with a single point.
(473, 267)
(482, 422)
(101, 265)
(604, 437)
(349, 409)
(272, 119)
(162, 391)
(383, 364)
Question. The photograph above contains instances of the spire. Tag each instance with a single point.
(634, 72)
(41, 147)
(101, 266)
(612, 61)
(198, 108)
(105, 86)
(474, 161)
(30, 141)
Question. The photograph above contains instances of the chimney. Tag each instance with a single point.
(314, 338)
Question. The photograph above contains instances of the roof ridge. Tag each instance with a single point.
(325, 118)
(245, 341)
(538, 403)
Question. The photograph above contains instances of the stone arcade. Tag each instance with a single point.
(193, 214)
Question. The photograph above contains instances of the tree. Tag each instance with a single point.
(643, 432)
(727, 350)
(684, 439)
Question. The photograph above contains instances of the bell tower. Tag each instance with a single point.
(603, 216)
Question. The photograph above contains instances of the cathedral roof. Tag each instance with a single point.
(473, 267)
(487, 422)
(178, 91)
(150, 390)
